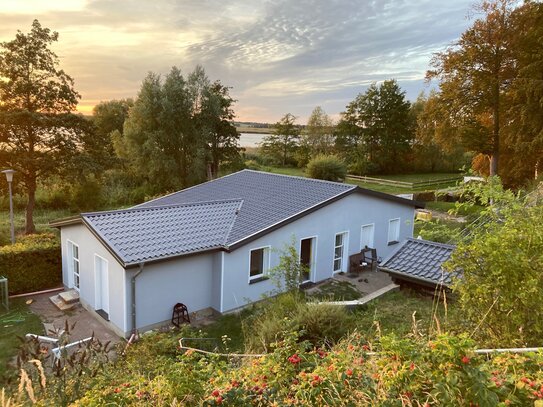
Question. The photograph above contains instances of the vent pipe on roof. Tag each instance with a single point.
(134, 326)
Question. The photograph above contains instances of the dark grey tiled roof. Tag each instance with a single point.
(267, 198)
(142, 234)
(420, 259)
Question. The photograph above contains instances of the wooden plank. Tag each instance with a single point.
(366, 298)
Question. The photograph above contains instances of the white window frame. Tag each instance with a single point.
(266, 259)
(71, 259)
(344, 245)
(395, 238)
(372, 235)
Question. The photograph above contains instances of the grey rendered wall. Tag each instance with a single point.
(160, 286)
(89, 245)
(347, 214)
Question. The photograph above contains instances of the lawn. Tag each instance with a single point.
(394, 314)
(18, 321)
(42, 217)
(389, 189)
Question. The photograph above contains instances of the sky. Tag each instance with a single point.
(278, 56)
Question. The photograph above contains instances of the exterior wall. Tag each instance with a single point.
(189, 280)
(347, 214)
(89, 245)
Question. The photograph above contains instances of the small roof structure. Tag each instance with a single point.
(222, 214)
(419, 261)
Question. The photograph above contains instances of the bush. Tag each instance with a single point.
(327, 167)
(320, 324)
(33, 263)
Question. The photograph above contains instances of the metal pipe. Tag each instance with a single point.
(57, 351)
(134, 326)
(42, 338)
(12, 226)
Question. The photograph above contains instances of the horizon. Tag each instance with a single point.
(277, 57)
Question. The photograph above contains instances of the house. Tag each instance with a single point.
(420, 262)
(210, 246)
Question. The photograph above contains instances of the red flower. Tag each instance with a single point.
(117, 390)
(412, 366)
(294, 359)
(234, 383)
(126, 384)
(218, 400)
(215, 393)
(295, 381)
(365, 347)
(465, 360)
(349, 372)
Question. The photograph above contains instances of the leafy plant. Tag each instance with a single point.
(327, 167)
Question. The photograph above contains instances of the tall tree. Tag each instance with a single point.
(177, 129)
(216, 118)
(318, 134)
(380, 126)
(475, 73)
(524, 127)
(38, 134)
(283, 142)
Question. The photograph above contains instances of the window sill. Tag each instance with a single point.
(393, 243)
(258, 279)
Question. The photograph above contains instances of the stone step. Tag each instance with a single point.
(61, 304)
(69, 297)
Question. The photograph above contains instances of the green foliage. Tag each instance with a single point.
(32, 264)
(289, 273)
(39, 136)
(327, 167)
(177, 129)
(377, 127)
(438, 231)
(320, 324)
(317, 138)
(282, 144)
(501, 284)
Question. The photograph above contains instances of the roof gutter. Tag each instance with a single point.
(411, 278)
(134, 326)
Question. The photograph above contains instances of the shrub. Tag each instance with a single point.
(318, 323)
(327, 167)
(32, 264)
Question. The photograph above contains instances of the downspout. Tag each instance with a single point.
(134, 328)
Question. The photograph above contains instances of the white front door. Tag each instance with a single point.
(366, 236)
(101, 285)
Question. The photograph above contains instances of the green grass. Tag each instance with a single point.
(394, 314)
(42, 217)
(18, 321)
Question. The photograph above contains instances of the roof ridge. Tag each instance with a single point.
(227, 234)
(187, 189)
(350, 186)
(158, 207)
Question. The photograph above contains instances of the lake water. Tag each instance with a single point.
(250, 139)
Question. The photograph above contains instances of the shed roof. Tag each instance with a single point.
(420, 260)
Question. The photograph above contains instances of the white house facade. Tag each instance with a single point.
(132, 266)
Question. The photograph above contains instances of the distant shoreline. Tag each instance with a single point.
(256, 130)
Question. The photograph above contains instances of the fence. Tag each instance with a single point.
(404, 184)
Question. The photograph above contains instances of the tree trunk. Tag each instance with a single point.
(495, 156)
(29, 221)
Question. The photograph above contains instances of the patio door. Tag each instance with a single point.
(366, 236)
(307, 257)
(101, 286)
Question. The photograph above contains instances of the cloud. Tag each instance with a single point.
(278, 56)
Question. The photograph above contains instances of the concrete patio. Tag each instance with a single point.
(85, 323)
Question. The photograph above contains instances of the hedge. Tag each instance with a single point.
(33, 263)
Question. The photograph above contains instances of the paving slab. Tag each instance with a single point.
(85, 323)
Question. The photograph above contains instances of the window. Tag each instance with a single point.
(339, 251)
(259, 263)
(366, 236)
(393, 231)
(73, 263)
